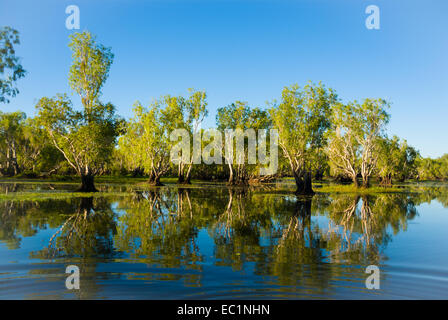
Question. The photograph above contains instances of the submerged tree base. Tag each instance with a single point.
(87, 184)
(304, 184)
(238, 183)
(302, 192)
(261, 179)
(87, 189)
(155, 183)
(386, 181)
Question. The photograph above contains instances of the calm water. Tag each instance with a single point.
(210, 242)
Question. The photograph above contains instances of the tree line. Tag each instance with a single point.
(319, 135)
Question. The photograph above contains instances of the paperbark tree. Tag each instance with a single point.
(396, 160)
(146, 142)
(302, 118)
(85, 141)
(239, 117)
(344, 149)
(10, 68)
(357, 129)
(11, 134)
(185, 113)
(86, 138)
(372, 119)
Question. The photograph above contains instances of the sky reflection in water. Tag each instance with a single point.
(214, 242)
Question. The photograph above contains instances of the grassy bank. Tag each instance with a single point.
(333, 188)
(39, 196)
(285, 185)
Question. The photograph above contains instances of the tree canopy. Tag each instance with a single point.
(302, 117)
(10, 68)
(86, 137)
(318, 134)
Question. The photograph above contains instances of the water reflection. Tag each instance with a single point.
(282, 239)
(86, 233)
(283, 236)
(160, 227)
(360, 227)
(19, 220)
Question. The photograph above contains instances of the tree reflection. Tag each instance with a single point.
(285, 236)
(298, 256)
(85, 233)
(26, 218)
(159, 227)
(83, 229)
(238, 229)
(293, 241)
(359, 226)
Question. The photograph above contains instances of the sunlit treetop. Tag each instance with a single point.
(10, 68)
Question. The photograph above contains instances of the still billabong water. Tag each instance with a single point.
(214, 242)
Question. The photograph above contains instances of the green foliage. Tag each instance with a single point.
(11, 137)
(86, 138)
(302, 118)
(240, 116)
(433, 169)
(396, 160)
(90, 67)
(37, 155)
(25, 147)
(146, 142)
(184, 113)
(354, 138)
(318, 134)
(10, 68)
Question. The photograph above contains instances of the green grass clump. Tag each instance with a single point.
(334, 188)
(39, 196)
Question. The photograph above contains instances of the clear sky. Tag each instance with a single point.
(248, 50)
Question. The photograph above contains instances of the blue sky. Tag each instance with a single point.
(248, 50)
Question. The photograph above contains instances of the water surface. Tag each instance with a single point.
(211, 242)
